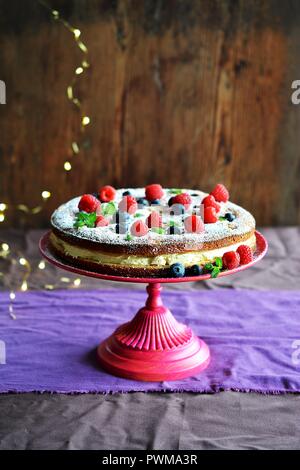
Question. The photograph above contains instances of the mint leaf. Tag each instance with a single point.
(215, 272)
(175, 191)
(219, 263)
(128, 237)
(208, 267)
(138, 214)
(83, 219)
(159, 230)
(172, 223)
(108, 208)
(222, 219)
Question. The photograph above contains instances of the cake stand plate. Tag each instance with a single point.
(153, 346)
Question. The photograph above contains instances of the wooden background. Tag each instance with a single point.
(185, 93)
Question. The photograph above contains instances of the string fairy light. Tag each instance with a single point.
(5, 251)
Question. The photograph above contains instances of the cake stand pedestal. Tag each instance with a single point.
(153, 346)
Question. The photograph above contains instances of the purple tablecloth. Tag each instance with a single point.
(254, 338)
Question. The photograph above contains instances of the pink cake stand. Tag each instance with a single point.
(153, 346)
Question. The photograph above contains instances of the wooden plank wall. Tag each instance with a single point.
(185, 93)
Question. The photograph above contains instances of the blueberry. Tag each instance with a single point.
(121, 217)
(195, 195)
(230, 217)
(177, 209)
(126, 193)
(121, 228)
(155, 202)
(177, 270)
(195, 270)
(173, 230)
(96, 195)
(170, 201)
(142, 201)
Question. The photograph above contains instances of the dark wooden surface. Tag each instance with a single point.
(185, 93)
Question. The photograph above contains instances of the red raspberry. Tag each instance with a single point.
(183, 198)
(231, 260)
(194, 224)
(154, 191)
(220, 193)
(128, 204)
(209, 201)
(107, 194)
(139, 228)
(154, 220)
(101, 221)
(88, 203)
(246, 255)
(210, 215)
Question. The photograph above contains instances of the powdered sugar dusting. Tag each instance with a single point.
(64, 217)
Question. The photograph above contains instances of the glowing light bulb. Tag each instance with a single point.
(2, 217)
(5, 247)
(67, 166)
(12, 296)
(2, 206)
(46, 194)
(77, 282)
(79, 70)
(77, 33)
(24, 286)
(42, 265)
(85, 120)
(22, 261)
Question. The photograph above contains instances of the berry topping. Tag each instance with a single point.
(177, 270)
(101, 221)
(154, 191)
(142, 201)
(209, 201)
(231, 260)
(154, 220)
(183, 198)
(210, 215)
(121, 228)
(173, 230)
(107, 194)
(177, 209)
(220, 193)
(229, 216)
(245, 253)
(121, 217)
(139, 228)
(88, 203)
(126, 193)
(194, 224)
(195, 270)
(170, 201)
(155, 202)
(128, 204)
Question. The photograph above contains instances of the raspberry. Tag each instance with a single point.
(194, 224)
(220, 193)
(101, 221)
(245, 253)
(107, 193)
(183, 198)
(154, 220)
(210, 215)
(128, 204)
(88, 203)
(139, 228)
(154, 191)
(231, 260)
(209, 201)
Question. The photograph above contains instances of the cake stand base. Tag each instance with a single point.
(153, 346)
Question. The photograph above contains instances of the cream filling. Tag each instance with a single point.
(187, 259)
